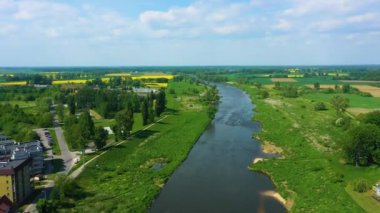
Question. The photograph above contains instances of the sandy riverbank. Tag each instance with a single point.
(275, 196)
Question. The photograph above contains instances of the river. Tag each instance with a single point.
(215, 176)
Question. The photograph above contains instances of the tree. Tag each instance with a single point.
(340, 103)
(364, 144)
(86, 125)
(60, 112)
(124, 122)
(46, 206)
(320, 106)
(346, 88)
(160, 103)
(264, 94)
(317, 86)
(258, 85)
(277, 85)
(100, 138)
(45, 120)
(290, 92)
(151, 113)
(145, 111)
(71, 104)
(372, 118)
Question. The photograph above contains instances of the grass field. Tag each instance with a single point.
(124, 180)
(28, 106)
(55, 148)
(287, 80)
(355, 100)
(311, 176)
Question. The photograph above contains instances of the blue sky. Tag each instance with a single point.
(183, 32)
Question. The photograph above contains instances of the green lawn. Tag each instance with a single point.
(56, 149)
(27, 106)
(355, 100)
(123, 180)
(311, 176)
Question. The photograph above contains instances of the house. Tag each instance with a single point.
(15, 180)
(5, 204)
(144, 91)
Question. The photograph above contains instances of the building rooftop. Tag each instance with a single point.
(10, 167)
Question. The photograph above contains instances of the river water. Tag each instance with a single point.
(215, 176)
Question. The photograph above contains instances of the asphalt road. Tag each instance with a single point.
(67, 156)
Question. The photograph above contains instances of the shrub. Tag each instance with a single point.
(343, 122)
(264, 94)
(320, 106)
(361, 185)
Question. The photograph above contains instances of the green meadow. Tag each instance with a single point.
(311, 175)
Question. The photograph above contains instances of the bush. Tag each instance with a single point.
(361, 185)
(264, 94)
(343, 122)
(320, 106)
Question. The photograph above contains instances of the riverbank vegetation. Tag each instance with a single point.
(318, 169)
(129, 176)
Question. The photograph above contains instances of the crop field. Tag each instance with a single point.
(156, 85)
(358, 81)
(322, 86)
(321, 80)
(14, 83)
(118, 74)
(357, 110)
(337, 74)
(73, 81)
(263, 80)
(374, 91)
(287, 80)
(296, 76)
(153, 76)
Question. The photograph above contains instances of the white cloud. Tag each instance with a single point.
(52, 33)
(282, 24)
(6, 29)
(363, 18)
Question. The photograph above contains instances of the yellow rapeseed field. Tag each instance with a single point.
(106, 80)
(73, 81)
(14, 83)
(153, 76)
